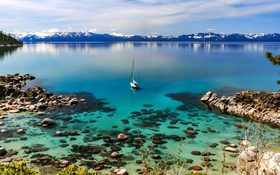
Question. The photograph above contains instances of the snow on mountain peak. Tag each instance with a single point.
(121, 34)
(54, 35)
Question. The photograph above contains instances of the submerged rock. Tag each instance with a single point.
(115, 155)
(40, 113)
(196, 168)
(3, 151)
(20, 131)
(120, 172)
(48, 122)
(225, 142)
(231, 149)
(232, 145)
(213, 145)
(196, 153)
(190, 132)
(156, 156)
(122, 136)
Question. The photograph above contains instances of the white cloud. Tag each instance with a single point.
(51, 30)
(92, 30)
(123, 15)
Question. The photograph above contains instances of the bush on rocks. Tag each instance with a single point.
(22, 168)
(16, 168)
(75, 170)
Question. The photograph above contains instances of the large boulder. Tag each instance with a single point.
(249, 154)
(14, 111)
(73, 101)
(262, 107)
(35, 91)
(231, 149)
(270, 164)
(207, 96)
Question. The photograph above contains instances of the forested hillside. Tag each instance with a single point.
(8, 40)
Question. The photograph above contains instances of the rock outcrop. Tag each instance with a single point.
(255, 161)
(263, 107)
(14, 99)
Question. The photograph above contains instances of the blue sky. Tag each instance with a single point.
(168, 17)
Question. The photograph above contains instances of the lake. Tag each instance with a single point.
(101, 71)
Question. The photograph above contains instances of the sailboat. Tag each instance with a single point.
(133, 83)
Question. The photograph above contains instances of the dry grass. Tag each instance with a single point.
(260, 144)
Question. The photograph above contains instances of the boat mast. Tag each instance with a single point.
(132, 70)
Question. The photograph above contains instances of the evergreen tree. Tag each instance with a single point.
(274, 59)
(8, 40)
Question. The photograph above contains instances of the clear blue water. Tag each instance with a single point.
(103, 69)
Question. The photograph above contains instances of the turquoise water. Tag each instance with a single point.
(103, 69)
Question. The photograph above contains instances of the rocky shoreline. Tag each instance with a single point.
(262, 107)
(13, 99)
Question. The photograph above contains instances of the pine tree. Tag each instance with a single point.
(8, 40)
(274, 59)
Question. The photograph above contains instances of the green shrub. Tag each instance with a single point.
(75, 170)
(17, 168)
(21, 168)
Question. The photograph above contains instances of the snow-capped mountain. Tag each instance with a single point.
(91, 37)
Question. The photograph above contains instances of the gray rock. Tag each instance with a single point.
(20, 131)
(3, 151)
(31, 108)
(258, 106)
(122, 136)
(48, 122)
(232, 150)
(40, 113)
(206, 97)
(73, 101)
(14, 111)
(7, 160)
(249, 154)
(33, 99)
(120, 172)
(3, 131)
(115, 154)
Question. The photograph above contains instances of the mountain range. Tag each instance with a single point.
(92, 37)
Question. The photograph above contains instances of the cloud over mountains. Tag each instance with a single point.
(128, 16)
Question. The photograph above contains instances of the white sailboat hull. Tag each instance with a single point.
(134, 85)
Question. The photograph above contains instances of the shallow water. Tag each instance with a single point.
(103, 69)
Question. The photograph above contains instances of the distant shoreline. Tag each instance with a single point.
(202, 42)
(11, 45)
